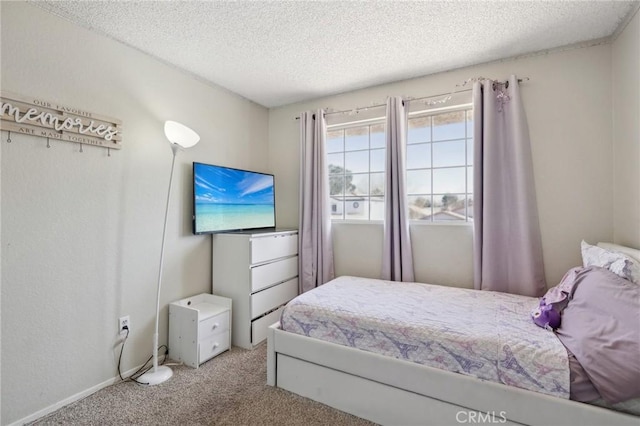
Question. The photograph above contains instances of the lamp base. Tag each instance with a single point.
(160, 375)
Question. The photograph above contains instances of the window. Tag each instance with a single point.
(356, 158)
(439, 167)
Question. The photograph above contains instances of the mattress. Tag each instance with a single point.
(484, 334)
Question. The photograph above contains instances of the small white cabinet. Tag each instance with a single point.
(259, 271)
(199, 328)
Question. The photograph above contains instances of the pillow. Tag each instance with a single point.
(601, 327)
(628, 251)
(614, 261)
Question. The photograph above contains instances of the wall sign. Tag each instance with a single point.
(37, 117)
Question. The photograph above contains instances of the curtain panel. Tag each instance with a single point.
(507, 242)
(397, 262)
(315, 249)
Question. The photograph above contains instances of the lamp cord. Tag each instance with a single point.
(143, 368)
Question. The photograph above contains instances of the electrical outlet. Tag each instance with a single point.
(122, 323)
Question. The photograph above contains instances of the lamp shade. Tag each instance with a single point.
(180, 134)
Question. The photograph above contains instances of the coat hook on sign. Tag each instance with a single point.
(48, 143)
(8, 137)
(81, 147)
(108, 152)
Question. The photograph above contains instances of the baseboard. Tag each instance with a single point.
(80, 395)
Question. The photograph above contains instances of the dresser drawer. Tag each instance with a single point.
(271, 273)
(273, 297)
(213, 346)
(273, 247)
(259, 327)
(213, 325)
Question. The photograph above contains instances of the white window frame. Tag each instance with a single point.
(466, 106)
(351, 125)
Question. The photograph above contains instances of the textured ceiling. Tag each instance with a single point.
(280, 52)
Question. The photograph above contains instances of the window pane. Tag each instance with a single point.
(360, 184)
(449, 180)
(336, 184)
(357, 162)
(377, 160)
(439, 163)
(453, 202)
(450, 207)
(419, 181)
(337, 207)
(419, 156)
(376, 206)
(419, 130)
(356, 138)
(335, 141)
(420, 207)
(356, 208)
(336, 162)
(377, 136)
(450, 153)
(377, 183)
(450, 125)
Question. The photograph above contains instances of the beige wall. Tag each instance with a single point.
(626, 135)
(568, 103)
(81, 232)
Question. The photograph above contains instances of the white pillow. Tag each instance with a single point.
(630, 252)
(614, 261)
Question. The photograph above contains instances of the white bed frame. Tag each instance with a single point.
(390, 391)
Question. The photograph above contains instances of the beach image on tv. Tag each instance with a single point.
(231, 199)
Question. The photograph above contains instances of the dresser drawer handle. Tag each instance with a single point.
(216, 325)
(215, 345)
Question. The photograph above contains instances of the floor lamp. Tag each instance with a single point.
(180, 136)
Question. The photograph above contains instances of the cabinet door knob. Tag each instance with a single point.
(216, 325)
(215, 345)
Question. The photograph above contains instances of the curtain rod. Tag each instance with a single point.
(441, 101)
(358, 109)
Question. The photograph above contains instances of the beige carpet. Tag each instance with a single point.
(227, 390)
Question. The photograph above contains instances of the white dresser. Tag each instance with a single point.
(259, 272)
(199, 328)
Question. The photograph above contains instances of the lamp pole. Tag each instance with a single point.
(160, 374)
(180, 136)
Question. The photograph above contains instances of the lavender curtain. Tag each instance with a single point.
(507, 243)
(397, 262)
(315, 254)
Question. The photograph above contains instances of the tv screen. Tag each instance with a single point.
(227, 199)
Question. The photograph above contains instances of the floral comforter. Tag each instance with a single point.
(484, 334)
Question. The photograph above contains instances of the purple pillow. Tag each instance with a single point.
(601, 327)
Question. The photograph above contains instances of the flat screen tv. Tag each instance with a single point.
(226, 199)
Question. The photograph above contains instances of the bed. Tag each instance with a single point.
(502, 370)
